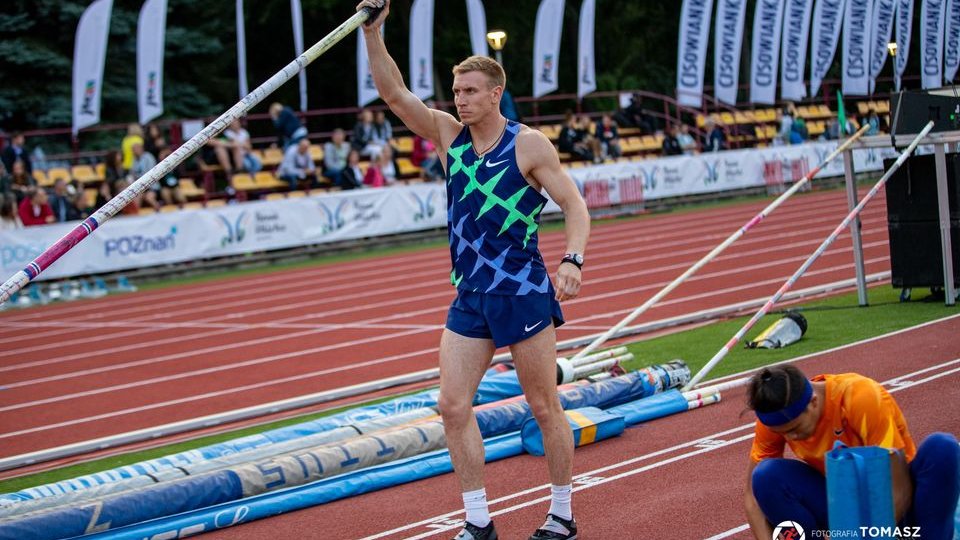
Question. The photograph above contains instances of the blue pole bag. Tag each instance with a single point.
(859, 489)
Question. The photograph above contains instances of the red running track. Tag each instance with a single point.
(680, 477)
(78, 371)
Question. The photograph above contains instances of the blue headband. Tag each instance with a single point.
(790, 412)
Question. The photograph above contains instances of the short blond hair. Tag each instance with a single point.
(486, 65)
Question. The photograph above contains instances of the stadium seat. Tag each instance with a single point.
(407, 168)
(316, 153)
(243, 182)
(57, 173)
(276, 196)
(168, 208)
(296, 194)
(147, 210)
(404, 145)
(101, 169)
(90, 197)
(85, 174)
(272, 157)
(552, 131)
(216, 203)
(189, 188)
(41, 178)
(193, 206)
(266, 180)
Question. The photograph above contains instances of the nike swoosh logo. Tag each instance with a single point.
(495, 163)
(529, 328)
(838, 432)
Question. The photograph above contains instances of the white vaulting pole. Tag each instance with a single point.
(720, 248)
(87, 226)
(806, 265)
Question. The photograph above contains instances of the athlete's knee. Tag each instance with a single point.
(939, 450)
(545, 407)
(769, 478)
(455, 410)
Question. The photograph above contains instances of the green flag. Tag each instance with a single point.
(841, 117)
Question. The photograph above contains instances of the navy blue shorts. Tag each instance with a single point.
(504, 319)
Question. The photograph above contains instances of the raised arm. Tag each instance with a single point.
(438, 126)
(539, 160)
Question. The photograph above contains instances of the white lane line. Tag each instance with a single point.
(598, 479)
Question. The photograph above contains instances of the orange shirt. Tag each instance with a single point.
(857, 411)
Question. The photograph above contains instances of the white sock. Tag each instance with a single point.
(475, 503)
(560, 501)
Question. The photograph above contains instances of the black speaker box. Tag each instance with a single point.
(912, 189)
(916, 259)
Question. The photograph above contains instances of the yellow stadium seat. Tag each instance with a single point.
(407, 168)
(90, 197)
(316, 152)
(215, 203)
(404, 145)
(58, 173)
(101, 169)
(85, 174)
(147, 210)
(167, 208)
(266, 180)
(189, 188)
(243, 182)
(272, 157)
(296, 194)
(41, 178)
(276, 196)
(193, 206)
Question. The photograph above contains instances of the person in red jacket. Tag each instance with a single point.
(35, 209)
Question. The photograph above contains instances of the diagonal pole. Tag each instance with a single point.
(806, 265)
(87, 226)
(719, 249)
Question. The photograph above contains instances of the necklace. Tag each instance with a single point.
(495, 142)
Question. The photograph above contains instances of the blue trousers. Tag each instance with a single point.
(791, 490)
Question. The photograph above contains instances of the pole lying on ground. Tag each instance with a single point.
(806, 265)
(719, 249)
(87, 226)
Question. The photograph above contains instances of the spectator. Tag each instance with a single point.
(606, 132)
(874, 122)
(798, 131)
(716, 139)
(364, 138)
(169, 185)
(78, 208)
(5, 180)
(134, 136)
(9, 218)
(585, 130)
(785, 126)
(21, 182)
(374, 177)
(289, 129)
(297, 166)
(60, 200)
(352, 175)
(241, 148)
(671, 145)
(143, 162)
(133, 207)
(35, 209)
(382, 128)
(335, 153)
(425, 156)
(113, 167)
(634, 115)
(154, 141)
(852, 126)
(571, 139)
(16, 151)
(686, 140)
(388, 165)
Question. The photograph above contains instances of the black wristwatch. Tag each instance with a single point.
(575, 259)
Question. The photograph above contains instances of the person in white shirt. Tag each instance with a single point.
(335, 154)
(297, 166)
(238, 141)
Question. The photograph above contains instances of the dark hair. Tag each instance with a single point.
(774, 388)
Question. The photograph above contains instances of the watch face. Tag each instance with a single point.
(579, 258)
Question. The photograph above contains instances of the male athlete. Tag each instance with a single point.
(495, 172)
(809, 416)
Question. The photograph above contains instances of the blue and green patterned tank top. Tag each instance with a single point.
(492, 216)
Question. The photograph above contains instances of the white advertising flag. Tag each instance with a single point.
(477, 21)
(856, 48)
(932, 15)
(767, 25)
(827, 21)
(586, 69)
(366, 89)
(151, 27)
(546, 46)
(421, 48)
(241, 51)
(951, 49)
(692, 53)
(796, 32)
(89, 55)
(296, 13)
(880, 31)
(904, 26)
(727, 46)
